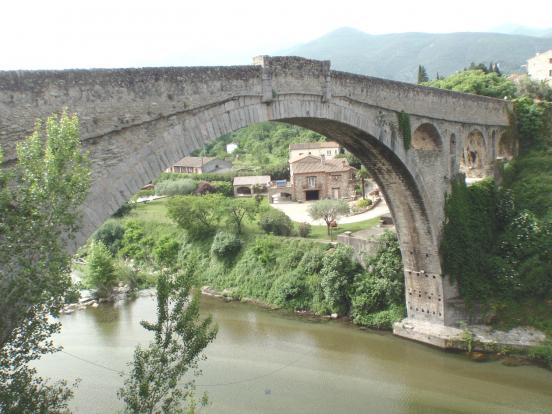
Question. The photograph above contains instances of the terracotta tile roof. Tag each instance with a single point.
(252, 180)
(193, 161)
(312, 164)
(314, 145)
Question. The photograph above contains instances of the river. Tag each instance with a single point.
(271, 362)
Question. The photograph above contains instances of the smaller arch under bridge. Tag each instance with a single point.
(137, 122)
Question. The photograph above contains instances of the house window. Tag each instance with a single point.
(336, 151)
(329, 152)
(336, 178)
(550, 72)
(311, 181)
(550, 60)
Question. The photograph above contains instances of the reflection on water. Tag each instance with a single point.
(268, 362)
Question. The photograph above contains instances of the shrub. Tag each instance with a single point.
(224, 188)
(304, 229)
(134, 278)
(382, 319)
(178, 187)
(225, 245)
(135, 243)
(336, 276)
(100, 272)
(363, 203)
(373, 294)
(228, 177)
(199, 216)
(166, 251)
(204, 187)
(542, 353)
(110, 234)
(275, 222)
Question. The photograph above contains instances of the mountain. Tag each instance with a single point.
(523, 30)
(397, 56)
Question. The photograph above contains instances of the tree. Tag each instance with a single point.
(153, 384)
(199, 216)
(40, 199)
(275, 222)
(477, 81)
(422, 75)
(329, 211)
(362, 175)
(236, 209)
(100, 272)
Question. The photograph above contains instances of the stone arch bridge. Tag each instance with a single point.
(137, 122)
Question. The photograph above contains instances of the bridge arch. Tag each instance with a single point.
(474, 155)
(137, 122)
(426, 138)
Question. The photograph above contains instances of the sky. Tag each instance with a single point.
(57, 34)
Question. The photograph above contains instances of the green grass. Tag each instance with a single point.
(153, 212)
(321, 232)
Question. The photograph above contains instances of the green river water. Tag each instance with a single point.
(269, 362)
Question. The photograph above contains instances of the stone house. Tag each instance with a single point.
(539, 67)
(249, 185)
(316, 178)
(328, 149)
(200, 165)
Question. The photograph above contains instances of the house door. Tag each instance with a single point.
(312, 195)
(335, 193)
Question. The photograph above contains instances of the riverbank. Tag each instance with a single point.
(480, 343)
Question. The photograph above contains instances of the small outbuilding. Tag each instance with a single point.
(248, 186)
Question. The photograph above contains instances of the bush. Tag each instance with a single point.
(304, 229)
(225, 245)
(542, 353)
(382, 319)
(224, 188)
(100, 272)
(166, 252)
(275, 222)
(111, 234)
(336, 276)
(364, 203)
(135, 243)
(228, 177)
(133, 277)
(199, 216)
(178, 187)
(204, 188)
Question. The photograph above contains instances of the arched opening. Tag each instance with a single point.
(505, 147)
(474, 156)
(426, 138)
(243, 191)
(416, 207)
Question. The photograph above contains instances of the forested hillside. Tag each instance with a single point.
(262, 148)
(397, 56)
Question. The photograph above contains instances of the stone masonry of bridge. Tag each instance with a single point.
(137, 122)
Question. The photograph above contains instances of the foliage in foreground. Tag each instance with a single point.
(40, 200)
(302, 275)
(154, 382)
